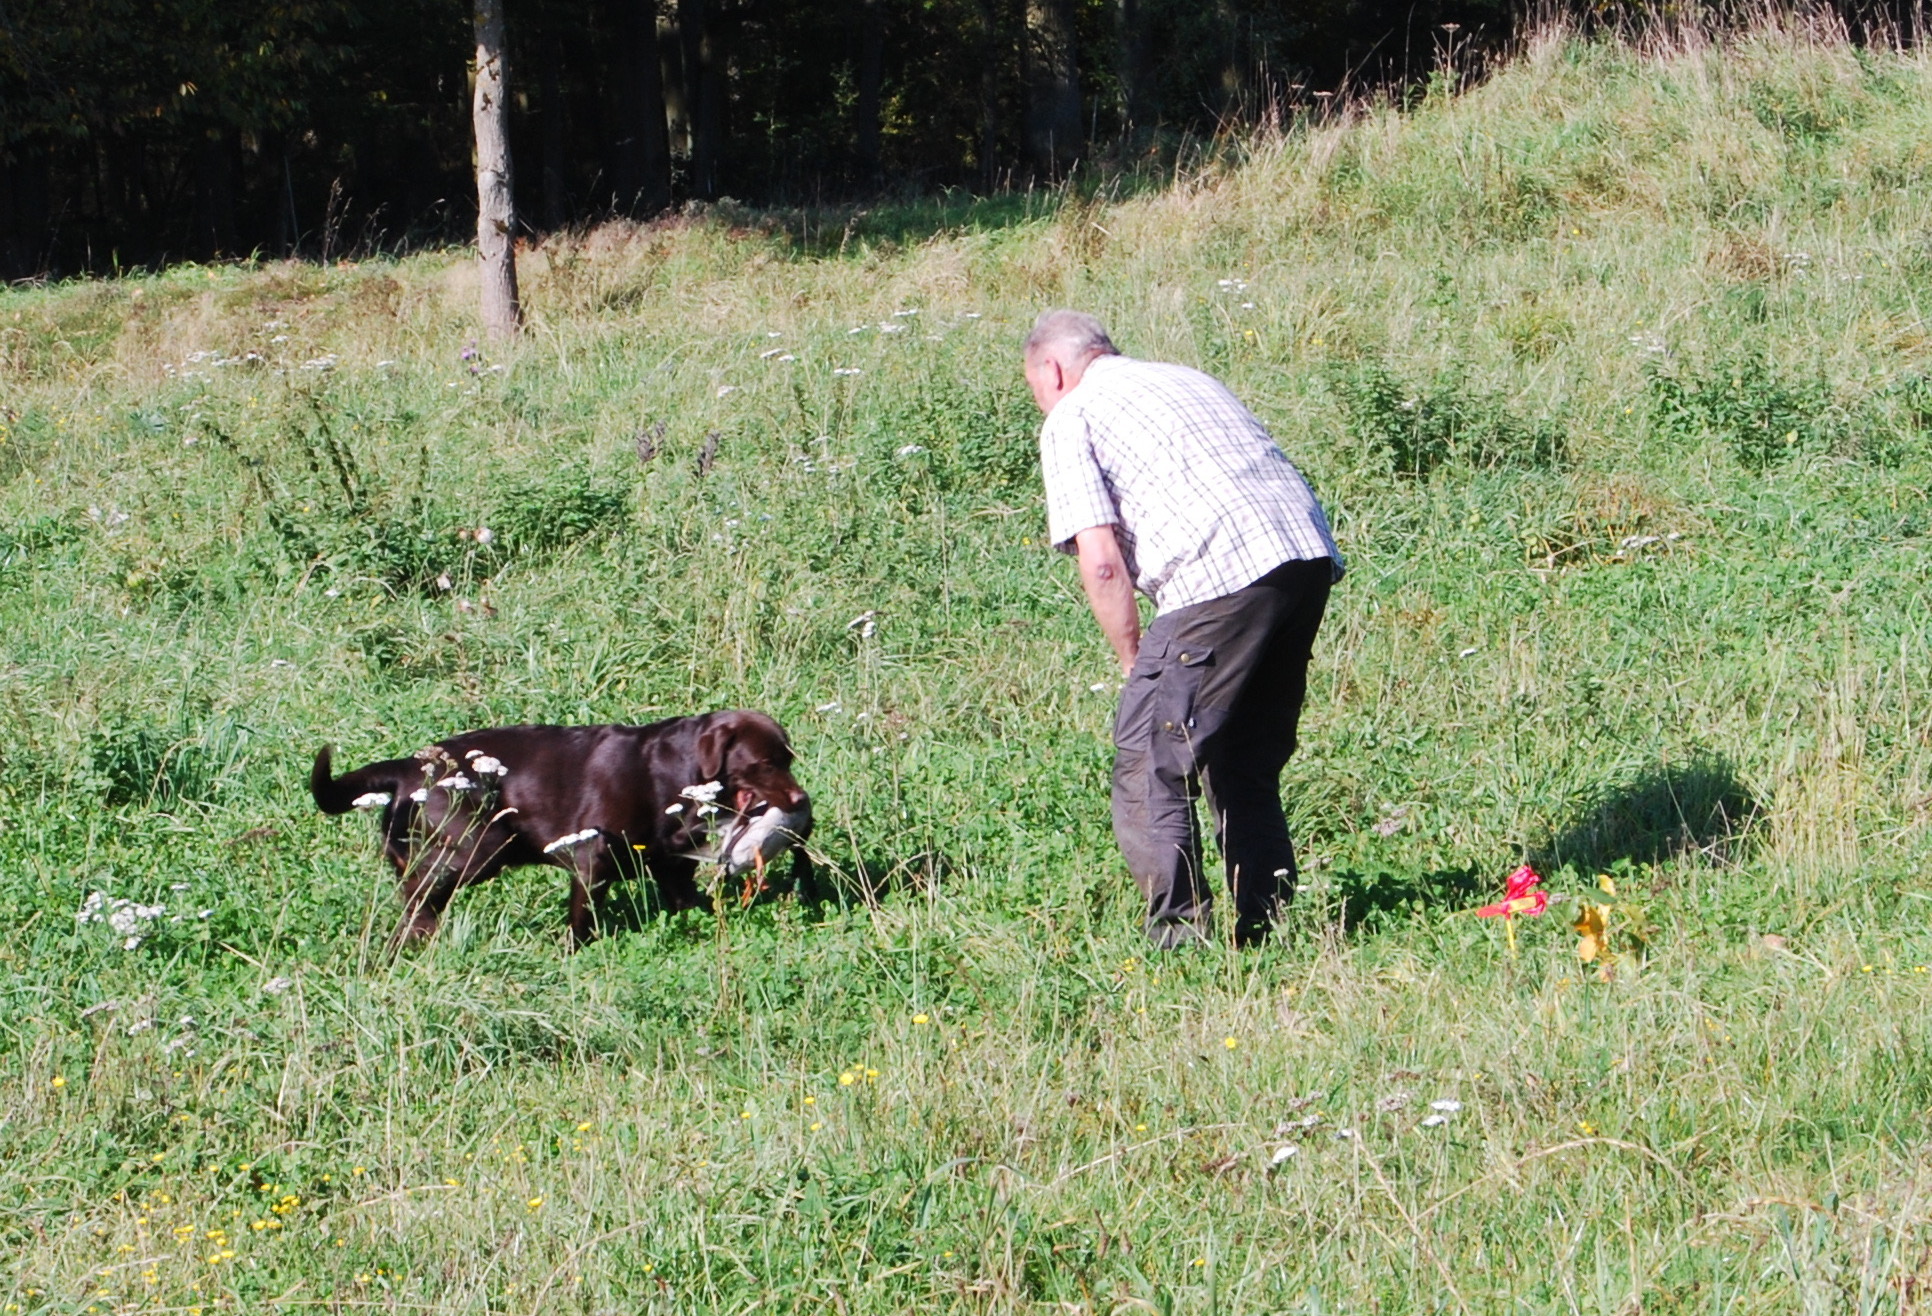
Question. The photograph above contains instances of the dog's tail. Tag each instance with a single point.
(340, 794)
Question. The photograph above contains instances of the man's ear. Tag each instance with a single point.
(712, 743)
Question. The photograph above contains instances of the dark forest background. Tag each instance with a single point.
(137, 132)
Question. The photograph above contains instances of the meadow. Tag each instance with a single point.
(1614, 375)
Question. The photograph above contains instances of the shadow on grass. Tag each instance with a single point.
(813, 882)
(835, 230)
(1696, 807)
(1373, 898)
(870, 879)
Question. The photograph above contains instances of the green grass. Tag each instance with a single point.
(1614, 374)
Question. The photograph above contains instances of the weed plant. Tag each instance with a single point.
(1612, 374)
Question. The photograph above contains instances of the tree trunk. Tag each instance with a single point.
(990, 51)
(551, 106)
(495, 207)
(703, 86)
(643, 179)
(214, 194)
(1053, 87)
(677, 83)
(871, 80)
(1133, 73)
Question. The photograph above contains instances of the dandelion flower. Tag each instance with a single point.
(919, 1019)
(846, 1080)
(1230, 1043)
(534, 1203)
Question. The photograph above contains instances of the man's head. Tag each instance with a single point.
(1057, 353)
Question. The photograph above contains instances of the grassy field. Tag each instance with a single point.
(1614, 375)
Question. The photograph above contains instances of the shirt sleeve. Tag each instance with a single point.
(1076, 493)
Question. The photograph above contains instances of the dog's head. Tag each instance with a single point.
(748, 753)
(762, 808)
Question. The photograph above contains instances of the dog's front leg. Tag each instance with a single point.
(592, 868)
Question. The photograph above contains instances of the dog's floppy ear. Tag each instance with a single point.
(712, 743)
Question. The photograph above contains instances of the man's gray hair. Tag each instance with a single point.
(1075, 333)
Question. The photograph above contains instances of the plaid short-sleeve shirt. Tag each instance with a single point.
(1201, 499)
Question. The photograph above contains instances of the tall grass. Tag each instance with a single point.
(1613, 374)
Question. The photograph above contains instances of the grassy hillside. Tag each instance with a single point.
(1613, 374)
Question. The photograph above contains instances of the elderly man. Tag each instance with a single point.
(1159, 479)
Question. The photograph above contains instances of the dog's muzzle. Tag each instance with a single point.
(758, 838)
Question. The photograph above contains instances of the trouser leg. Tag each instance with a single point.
(1154, 823)
(1216, 696)
(1242, 767)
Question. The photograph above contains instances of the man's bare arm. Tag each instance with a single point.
(1110, 591)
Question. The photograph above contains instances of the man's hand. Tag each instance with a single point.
(1110, 591)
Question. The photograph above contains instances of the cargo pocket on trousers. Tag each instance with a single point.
(1178, 713)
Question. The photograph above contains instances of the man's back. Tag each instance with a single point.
(1203, 500)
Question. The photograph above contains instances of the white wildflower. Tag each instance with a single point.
(1435, 1121)
(485, 535)
(1284, 1153)
(571, 841)
(910, 450)
(420, 794)
(704, 796)
(1345, 1135)
(675, 809)
(456, 781)
(443, 581)
(371, 800)
(487, 766)
(769, 353)
(831, 707)
(277, 985)
(1446, 1106)
(787, 356)
(726, 390)
(910, 310)
(848, 370)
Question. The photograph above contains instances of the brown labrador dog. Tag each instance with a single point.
(600, 801)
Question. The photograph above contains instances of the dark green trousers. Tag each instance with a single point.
(1213, 703)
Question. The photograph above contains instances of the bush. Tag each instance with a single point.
(1417, 429)
(1763, 416)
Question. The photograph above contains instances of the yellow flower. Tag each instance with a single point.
(60, 1081)
(1586, 1128)
(1230, 1043)
(584, 1127)
(816, 1126)
(919, 1019)
(534, 1203)
(847, 1079)
(811, 1101)
(1140, 1128)
(871, 1073)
